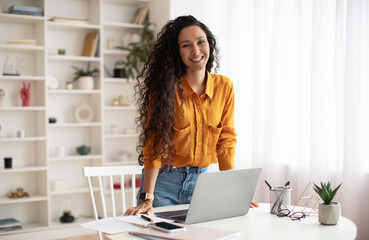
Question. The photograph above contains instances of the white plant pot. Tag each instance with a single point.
(329, 214)
(85, 82)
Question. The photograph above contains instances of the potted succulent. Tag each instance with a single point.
(138, 52)
(329, 212)
(84, 78)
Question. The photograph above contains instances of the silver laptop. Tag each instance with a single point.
(218, 195)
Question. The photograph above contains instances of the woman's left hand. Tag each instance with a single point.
(254, 204)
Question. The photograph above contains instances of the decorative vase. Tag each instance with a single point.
(67, 217)
(83, 113)
(83, 150)
(85, 83)
(329, 214)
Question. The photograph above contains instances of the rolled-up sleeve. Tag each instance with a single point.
(227, 140)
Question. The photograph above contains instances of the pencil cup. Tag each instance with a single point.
(280, 198)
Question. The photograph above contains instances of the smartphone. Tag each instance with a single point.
(167, 227)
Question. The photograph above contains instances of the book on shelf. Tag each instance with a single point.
(9, 224)
(27, 13)
(28, 42)
(140, 15)
(90, 44)
(69, 20)
(134, 17)
(26, 10)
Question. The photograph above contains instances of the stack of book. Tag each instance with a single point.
(140, 15)
(69, 20)
(27, 42)
(9, 224)
(26, 10)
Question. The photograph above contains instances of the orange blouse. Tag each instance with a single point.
(204, 133)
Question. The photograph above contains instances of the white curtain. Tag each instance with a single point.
(300, 70)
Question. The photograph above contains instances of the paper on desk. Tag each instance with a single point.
(111, 226)
(140, 221)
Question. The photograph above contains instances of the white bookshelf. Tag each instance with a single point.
(35, 163)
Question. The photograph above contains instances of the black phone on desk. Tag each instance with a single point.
(167, 227)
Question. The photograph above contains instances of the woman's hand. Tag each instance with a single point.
(254, 204)
(145, 207)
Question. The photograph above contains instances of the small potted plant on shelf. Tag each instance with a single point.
(84, 78)
(138, 52)
(329, 212)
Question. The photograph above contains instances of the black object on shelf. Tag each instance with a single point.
(119, 72)
(67, 217)
(8, 162)
(11, 74)
(52, 120)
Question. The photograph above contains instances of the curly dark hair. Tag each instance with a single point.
(156, 88)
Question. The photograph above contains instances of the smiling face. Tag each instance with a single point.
(193, 48)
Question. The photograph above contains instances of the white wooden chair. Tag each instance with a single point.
(97, 173)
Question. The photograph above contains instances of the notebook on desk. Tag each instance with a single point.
(218, 195)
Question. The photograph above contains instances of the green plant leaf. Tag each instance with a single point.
(325, 191)
(333, 194)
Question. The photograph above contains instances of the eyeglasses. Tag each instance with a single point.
(293, 215)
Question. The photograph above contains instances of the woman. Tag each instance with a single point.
(185, 112)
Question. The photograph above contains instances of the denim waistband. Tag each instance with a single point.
(186, 169)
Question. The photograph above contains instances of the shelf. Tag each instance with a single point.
(17, 18)
(112, 136)
(111, 19)
(23, 170)
(71, 26)
(32, 198)
(73, 58)
(127, 2)
(22, 78)
(25, 139)
(21, 48)
(75, 158)
(26, 228)
(90, 124)
(70, 191)
(120, 80)
(116, 25)
(77, 222)
(115, 52)
(120, 108)
(74, 91)
(22, 109)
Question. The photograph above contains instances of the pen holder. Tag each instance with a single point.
(280, 198)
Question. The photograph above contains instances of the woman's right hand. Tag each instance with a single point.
(144, 208)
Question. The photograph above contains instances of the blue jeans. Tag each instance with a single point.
(173, 185)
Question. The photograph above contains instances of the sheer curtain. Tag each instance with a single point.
(300, 70)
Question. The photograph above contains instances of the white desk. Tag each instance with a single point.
(260, 224)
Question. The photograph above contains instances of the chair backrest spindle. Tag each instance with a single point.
(110, 172)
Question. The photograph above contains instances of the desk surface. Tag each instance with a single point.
(260, 224)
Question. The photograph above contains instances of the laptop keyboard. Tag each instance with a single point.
(180, 218)
(179, 215)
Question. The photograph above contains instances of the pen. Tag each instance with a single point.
(147, 218)
(287, 184)
(270, 187)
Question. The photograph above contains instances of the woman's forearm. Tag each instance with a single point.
(150, 176)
